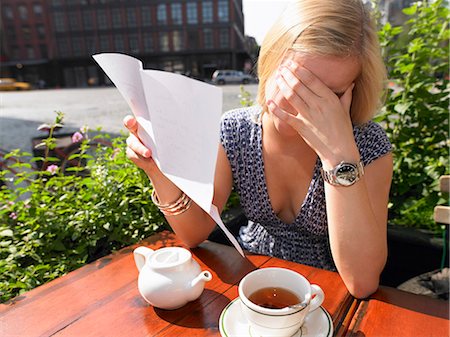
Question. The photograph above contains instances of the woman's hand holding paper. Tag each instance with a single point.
(137, 152)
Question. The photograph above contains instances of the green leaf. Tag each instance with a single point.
(6, 232)
(410, 10)
(402, 107)
(396, 30)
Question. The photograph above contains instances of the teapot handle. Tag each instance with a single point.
(141, 254)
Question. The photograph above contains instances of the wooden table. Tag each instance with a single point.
(102, 299)
(392, 312)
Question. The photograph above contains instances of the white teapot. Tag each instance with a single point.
(169, 277)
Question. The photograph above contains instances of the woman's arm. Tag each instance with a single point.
(194, 225)
(357, 218)
(357, 215)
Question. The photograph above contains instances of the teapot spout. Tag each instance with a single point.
(204, 276)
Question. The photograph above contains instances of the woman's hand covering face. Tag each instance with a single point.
(319, 115)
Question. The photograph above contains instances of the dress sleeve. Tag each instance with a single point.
(229, 136)
(372, 142)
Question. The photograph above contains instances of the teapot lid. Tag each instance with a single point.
(169, 257)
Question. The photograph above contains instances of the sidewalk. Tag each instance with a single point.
(22, 112)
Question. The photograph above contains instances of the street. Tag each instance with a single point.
(22, 112)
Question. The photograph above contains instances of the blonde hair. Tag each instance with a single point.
(328, 28)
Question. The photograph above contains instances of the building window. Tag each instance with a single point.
(148, 42)
(224, 38)
(131, 17)
(8, 12)
(101, 19)
(63, 48)
(23, 12)
(60, 22)
(43, 50)
(90, 44)
(30, 52)
(177, 40)
(192, 13)
(208, 41)
(11, 32)
(192, 37)
(161, 15)
(116, 18)
(146, 15)
(87, 20)
(40, 31)
(104, 43)
(222, 11)
(26, 33)
(74, 24)
(118, 43)
(207, 12)
(15, 52)
(37, 8)
(133, 42)
(163, 41)
(77, 46)
(177, 18)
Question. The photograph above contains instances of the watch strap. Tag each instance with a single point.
(330, 176)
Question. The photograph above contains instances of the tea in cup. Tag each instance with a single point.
(276, 301)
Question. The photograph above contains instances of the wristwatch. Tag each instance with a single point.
(344, 174)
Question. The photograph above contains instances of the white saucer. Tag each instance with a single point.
(232, 323)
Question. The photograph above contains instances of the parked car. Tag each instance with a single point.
(10, 84)
(231, 76)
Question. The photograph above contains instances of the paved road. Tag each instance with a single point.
(22, 112)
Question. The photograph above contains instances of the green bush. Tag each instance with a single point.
(415, 115)
(52, 223)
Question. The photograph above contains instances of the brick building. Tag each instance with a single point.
(53, 40)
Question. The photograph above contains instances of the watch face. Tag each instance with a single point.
(346, 174)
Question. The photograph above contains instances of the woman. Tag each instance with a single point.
(312, 171)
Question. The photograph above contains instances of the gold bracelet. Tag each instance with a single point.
(179, 206)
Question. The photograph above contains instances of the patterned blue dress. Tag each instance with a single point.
(306, 239)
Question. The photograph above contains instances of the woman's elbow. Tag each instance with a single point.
(193, 243)
(363, 288)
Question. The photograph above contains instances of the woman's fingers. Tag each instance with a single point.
(131, 124)
(291, 88)
(346, 98)
(290, 119)
(133, 141)
(133, 156)
(138, 148)
(309, 80)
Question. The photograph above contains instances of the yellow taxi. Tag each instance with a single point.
(9, 84)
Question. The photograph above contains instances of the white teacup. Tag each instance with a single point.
(285, 321)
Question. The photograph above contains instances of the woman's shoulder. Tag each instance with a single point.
(245, 116)
(237, 126)
(371, 130)
(372, 141)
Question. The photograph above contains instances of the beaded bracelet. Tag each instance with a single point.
(179, 206)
